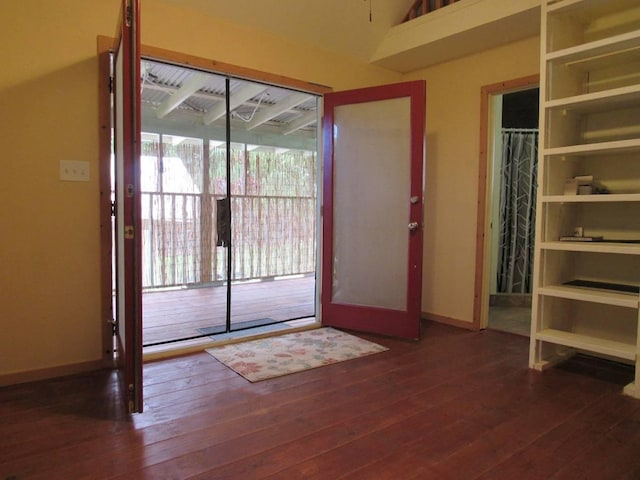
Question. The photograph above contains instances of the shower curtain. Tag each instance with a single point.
(517, 210)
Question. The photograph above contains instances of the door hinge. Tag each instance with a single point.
(110, 84)
(114, 328)
(128, 232)
(128, 15)
(113, 209)
(131, 403)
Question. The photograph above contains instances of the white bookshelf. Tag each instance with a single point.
(590, 125)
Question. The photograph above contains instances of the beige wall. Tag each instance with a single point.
(452, 138)
(49, 243)
(197, 34)
(49, 240)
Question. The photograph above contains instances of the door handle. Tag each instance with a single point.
(413, 226)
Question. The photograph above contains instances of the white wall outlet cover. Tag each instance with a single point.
(74, 171)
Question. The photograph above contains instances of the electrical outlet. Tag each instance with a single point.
(74, 171)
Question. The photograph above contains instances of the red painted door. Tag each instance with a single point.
(373, 147)
(127, 185)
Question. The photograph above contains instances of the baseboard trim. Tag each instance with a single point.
(454, 322)
(47, 373)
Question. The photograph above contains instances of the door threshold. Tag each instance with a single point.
(175, 349)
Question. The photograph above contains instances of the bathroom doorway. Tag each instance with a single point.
(506, 245)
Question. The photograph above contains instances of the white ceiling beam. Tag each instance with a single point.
(188, 88)
(172, 90)
(273, 111)
(297, 124)
(244, 94)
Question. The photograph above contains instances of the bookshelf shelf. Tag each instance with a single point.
(595, 247)
(605, 198)
(599, 101)
(607, 297)
(598, 51)
(596, 148)
(626, 351)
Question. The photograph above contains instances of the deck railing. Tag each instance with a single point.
(422, 7)
(270, 236)
(273, 212)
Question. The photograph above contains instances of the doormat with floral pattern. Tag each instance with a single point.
(275, 356)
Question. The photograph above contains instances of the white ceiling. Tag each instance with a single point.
(335, 25)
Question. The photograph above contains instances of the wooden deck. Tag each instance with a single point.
(457, 405)
(178, 314)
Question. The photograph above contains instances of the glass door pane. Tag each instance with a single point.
(273, 205)
(183, 174)
(371, 177)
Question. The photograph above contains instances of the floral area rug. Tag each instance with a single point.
(272, 357)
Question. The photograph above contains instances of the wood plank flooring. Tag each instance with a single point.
(455, 405)
(176, 314)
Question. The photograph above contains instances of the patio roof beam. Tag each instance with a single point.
(273, 111)
(238, 98)
(188, 88)
(306, 119)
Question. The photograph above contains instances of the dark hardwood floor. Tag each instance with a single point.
(456, 405)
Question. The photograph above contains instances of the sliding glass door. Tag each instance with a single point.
(229, 202)
(273, 205)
